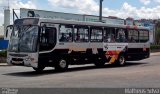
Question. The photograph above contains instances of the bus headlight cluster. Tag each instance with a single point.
(8, 58)
(29, 59)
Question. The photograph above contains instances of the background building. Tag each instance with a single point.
(1, 30)
(90, 18)
(129, 21)
(50, 14)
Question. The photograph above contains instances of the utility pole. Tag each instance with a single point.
(8, 5)
(100, 11)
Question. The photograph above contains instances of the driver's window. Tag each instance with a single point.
(47, 38)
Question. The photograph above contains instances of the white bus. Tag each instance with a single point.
(40, 43)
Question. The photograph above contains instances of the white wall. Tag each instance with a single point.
(1, 30)
(6, 21)
(50, 14)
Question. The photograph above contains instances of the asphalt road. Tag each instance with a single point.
(139, 74)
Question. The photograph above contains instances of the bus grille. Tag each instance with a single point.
(17, 59)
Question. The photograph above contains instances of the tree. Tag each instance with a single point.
(158, 36)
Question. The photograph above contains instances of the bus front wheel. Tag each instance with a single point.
(62, 65)
(39, 68)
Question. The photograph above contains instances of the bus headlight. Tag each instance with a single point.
(8, 58)
(27, 59)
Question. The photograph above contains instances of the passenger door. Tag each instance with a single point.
(47, 38)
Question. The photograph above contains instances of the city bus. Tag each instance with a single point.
(44, 42)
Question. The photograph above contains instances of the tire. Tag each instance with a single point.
(39, 68)
(62, 65)
(121, 61)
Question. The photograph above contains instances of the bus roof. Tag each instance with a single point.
(58, 21)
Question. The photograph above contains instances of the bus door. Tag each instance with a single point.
(47, 37)
(47, 42)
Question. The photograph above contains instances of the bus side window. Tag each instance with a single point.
(133, 36)
(66, 33)
(143, 35)
(109, 35)
(81, 34)
(96, 34)
(121, 35)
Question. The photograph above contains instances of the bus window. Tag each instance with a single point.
(109, 35)
(133, 36)
(96, 34)
(81, 33)
(121, 35)
(143, 35)
(66, 33)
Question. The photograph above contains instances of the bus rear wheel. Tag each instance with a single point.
(62, 65)
(121, 61)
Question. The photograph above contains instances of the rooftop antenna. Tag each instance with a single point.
(100, 11)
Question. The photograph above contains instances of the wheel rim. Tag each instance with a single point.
(62, 63)
(121, 60)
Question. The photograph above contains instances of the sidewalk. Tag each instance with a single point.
(155, 54)
(152, 54)
(4, 64)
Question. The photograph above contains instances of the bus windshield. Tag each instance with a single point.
(24, 38)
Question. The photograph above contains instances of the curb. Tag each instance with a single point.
(155, 54)
(4, 64)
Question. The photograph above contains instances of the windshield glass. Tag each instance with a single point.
(24, 39)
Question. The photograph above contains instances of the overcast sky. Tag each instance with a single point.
(149, 9)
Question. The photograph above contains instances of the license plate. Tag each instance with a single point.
(17, 62)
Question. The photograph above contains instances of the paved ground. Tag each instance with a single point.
(139, 74)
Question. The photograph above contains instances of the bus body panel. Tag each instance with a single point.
(138, 51)
(23, 59)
